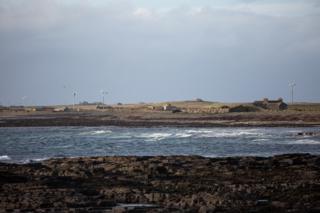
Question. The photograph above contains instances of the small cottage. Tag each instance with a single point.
(44, 109)
(169, 107)
(61, 109)
(271, 104)
(102, 106)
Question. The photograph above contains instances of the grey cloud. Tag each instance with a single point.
(215, 54)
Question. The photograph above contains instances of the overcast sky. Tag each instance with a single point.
(146, 51)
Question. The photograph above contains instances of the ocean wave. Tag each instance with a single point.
(211, 156)
(182, 135)
(305, 141)
(64, 146)
(219, 133)
(4, 157)
(155, 136)
(101, 132)
(97, 132)
(260, 140)
(121, 136)
(194, 131)
(40, 159)
(231, 134)
(34, 160)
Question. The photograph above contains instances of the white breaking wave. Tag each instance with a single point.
(101, 132)
(223, 133)
(34, 160)
(40, 159)
(156, 136)
(210, 156)
(260, 140)
(201, 133)
(182, 135)
(228, 134)
(97, 132)
(305, 141)
(4, 157)
(193, 131)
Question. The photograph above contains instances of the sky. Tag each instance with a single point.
(151, 51)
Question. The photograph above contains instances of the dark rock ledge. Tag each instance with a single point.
(286, 183)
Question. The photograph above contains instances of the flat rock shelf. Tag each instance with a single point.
(284, 183)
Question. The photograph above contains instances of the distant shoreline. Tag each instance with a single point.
(168, 120)
(174, 114)
(154, 125)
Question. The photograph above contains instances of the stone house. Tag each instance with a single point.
(271, 104)
(169, 107)
(44, 109)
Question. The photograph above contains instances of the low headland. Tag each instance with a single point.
(196, 113)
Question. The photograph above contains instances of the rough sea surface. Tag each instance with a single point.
(29, 144)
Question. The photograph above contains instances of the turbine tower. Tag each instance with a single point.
(103, 94)
(23, 100)
(74, 99)
(292, 85)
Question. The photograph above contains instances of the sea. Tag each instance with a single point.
(34, 144)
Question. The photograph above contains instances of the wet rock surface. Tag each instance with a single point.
(285, 183)
(136, 118)
(308, 134)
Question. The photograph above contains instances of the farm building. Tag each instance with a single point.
(44, 109)
(170, 108)
(61, 109)
(271, 104)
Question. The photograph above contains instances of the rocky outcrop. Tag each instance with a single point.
(308, 134)
(286, 183)
(192, 117)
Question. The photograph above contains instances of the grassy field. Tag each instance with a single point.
(304, 107)
(186, 106)
(192, 113)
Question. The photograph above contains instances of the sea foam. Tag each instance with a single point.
(155, 136)
(4, 157)
(305, 141)
(97, 132)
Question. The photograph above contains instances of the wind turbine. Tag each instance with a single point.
(74, 99)
(23, 100)
(292, 85)
(103, 94)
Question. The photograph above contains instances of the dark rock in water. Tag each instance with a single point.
(284, 183)
(308, 134)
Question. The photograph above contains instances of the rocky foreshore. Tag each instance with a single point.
(285, 183)
(134, 118)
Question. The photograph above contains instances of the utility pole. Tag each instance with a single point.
(292, 85)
